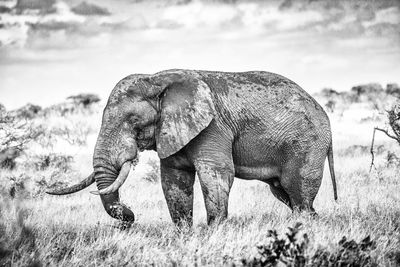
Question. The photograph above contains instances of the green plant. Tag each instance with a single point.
(15, 134)
(287, 250)
(59, 161)
(292, 251)
(16, 238)
(350, 253)
(84, 99)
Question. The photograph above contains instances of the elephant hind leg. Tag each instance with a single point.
(280, 194)
(301, 179)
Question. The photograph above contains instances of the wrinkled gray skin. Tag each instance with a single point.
(250, 125)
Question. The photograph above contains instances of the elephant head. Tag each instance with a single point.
(161, 112)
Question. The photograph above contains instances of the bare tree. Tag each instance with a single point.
(394, 122)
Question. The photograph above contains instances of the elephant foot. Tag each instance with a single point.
(123, 225)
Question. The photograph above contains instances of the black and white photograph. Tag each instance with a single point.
(199, 133)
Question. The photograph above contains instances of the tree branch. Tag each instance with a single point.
(372, 151)
(387, 133)
(372, 144)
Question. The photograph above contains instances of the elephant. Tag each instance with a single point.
(220, 125)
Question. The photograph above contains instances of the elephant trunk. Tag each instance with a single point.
(110, 175)
(115, 208)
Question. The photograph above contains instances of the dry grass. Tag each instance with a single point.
(37, 229)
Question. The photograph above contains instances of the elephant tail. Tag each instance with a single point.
(332, 170)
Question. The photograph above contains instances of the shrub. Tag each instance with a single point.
(17, 185)
(75, 134)
(357, 150)
(2, 109)
(367, 89)
(84, 99)
(292, 251)
(60, 109)
(393, 89)
(392, 159)
(59, 161)
(5, 9)
(350, 253)
(394, 120)
(330, 105)
(287, 250)
(14, 135)
(29, 111)
(329, 92)
(16, 238)
(8, 156)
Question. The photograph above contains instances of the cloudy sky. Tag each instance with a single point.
(51, 49)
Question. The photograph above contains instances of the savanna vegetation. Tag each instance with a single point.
(50, 147)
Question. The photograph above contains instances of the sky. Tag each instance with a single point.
(51, 49)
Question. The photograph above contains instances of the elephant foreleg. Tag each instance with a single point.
(177, 186)
(211, 154)
(216, 182)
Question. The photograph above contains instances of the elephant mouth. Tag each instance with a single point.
(145, 144)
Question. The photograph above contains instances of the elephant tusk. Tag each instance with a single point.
(74, 188)
(123, 174)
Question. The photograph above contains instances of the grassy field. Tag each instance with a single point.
(37, 229)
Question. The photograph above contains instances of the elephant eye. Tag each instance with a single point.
(133, 119)
(140, 135)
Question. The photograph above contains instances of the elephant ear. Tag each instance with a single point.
(186, 109)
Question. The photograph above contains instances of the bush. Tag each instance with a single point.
(84, 99)
(75, 134)
(29, 111)
(330, 105)
(367, 89)
(14, 135)
(17, 185)
(350, 253)
(358, 150)
(292, 251)
(287, 250)
(393, 89)
(59, 161)
(392, 159)
(8, 156)
(394, 120)
(60, 109)
(16, 238)
(2, 109)
(329, 92)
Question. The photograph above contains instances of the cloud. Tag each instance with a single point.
(88, 9)
(351, 19)
(336, 19)
(42, 6)
(322, 43)
(5, 9)
(49, 24)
